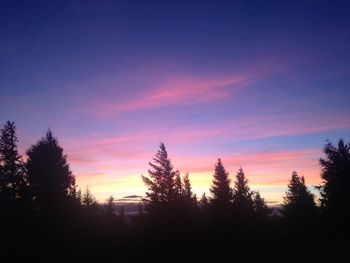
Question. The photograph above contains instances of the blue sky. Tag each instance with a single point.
(261, 84)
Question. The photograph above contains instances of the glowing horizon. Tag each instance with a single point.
(268, 172)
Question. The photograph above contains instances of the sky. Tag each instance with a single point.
(260, 84)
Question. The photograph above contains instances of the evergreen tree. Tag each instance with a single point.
(335, 198)
(187, 187)
(178, 185)
(49, 175)
(13, 185)
(187, 194)
(299, 204)
(204, 202)
(89, 202)
(260, 208)
(161, 182)
(242, 195)
(88, 198)
(75, 196)
(220, 189)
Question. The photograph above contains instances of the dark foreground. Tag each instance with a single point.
(199, 238)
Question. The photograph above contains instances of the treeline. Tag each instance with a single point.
(43, 209)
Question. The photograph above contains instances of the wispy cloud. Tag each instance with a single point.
(126, 154)
(132, 142)
(177, 91)
(133, 148)
(266, 126)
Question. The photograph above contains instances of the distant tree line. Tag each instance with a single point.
(43, 189)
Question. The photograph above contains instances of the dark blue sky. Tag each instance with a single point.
(261, 84)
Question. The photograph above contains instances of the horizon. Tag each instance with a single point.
(272, 193)
(261, 86)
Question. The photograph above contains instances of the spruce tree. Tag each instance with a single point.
(75, 196)
(49, 175)
(335, 166)
(89, 202)
(13, 185)
(188, 195)
(260, 208)
(204, 202)
(299, 204)
(161, 183)
(178, 185)
(242, 195)
(220, 189)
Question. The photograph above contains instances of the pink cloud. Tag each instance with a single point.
(168, 89)
(283, 125)
(131, 154)
(301, 158)
(126, 149)
(129, 143)
(128, 154)
(179, 90)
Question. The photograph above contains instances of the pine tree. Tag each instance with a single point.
(13, 185)
(75, 196)
(220, 189)
(187, 187)
(242, 195)
(335, 197)
(204, 202)
(187, 194)
(49, 175)
(260, 208)
(89, 202)
(299, 204)
(88, 199)
(161, 182)
(178, 185)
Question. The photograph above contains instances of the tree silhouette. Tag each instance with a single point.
(220, 189)
(49, 175)
(242, 195)
(178, 185)
(204, 202)
(89, 202)
(161, 182)
(75, 196)
(13, 185)
(335, 197)
(188, 195)
(299, 204)
(260, 208)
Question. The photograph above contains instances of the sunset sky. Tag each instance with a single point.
(260, 84)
